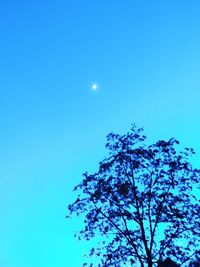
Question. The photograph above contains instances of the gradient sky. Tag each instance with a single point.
(145, 58)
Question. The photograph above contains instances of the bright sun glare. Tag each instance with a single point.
(94, 86)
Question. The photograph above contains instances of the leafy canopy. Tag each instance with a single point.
(141, 202)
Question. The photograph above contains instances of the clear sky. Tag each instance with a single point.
(144, 57)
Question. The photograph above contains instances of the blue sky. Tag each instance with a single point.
(145, 58)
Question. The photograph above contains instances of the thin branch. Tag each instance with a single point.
(120, 231)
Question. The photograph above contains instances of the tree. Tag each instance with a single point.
(167, 263)
(196, 261)
(141, 202)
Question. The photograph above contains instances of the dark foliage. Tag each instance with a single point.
(141, 201)
(196, 261)
(167, 263)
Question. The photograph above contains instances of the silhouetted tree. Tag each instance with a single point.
(195, 264)
(141, 202)
(167, 263)
(196, 261)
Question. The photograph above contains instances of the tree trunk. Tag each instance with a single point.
(150, 264)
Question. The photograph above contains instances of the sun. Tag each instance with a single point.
(94, 87)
